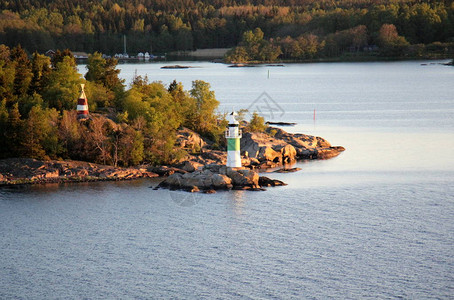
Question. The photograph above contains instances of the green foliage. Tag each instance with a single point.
(103, 72)
(136, 151)
(99, 96)
(165, 110)
(256, 124)
(7, 76)
(27, 102)
(63, 85)
(4, 116)
(304, 47)
(38, 116)
(59, 56)
(23, 75)
(40, 70)
(203, 119)
(254, 47)
(3, 113)
(70, 134)
(238, 55)
(14, 127)
(96, 68)
(40, 140)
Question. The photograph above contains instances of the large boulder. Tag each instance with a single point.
(266, 182)
(215, 168)
(213, 177)
(220, 181)
(216, 156)
(288, 153)
(165, 170)
(189, 140)
(201, 179)
(174, 180)
(190, 166)
(265, 147)
(267, 153)
(321, 142)
(249, 145)
(243, 177)
(326, 153)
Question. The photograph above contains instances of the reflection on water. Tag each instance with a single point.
(237, 200)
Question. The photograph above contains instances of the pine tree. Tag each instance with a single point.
(23, 76)
(4, 116)
(14, 131)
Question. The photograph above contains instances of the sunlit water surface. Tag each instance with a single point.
(375, 222)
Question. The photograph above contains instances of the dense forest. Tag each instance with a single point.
(287, 29)
(38, 99)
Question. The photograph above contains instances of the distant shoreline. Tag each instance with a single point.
(174, 58)
(348, 59)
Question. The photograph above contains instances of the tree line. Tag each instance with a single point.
(127, 126)
(300, 28)
(350, 43)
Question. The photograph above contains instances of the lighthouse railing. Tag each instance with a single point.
(229, 135)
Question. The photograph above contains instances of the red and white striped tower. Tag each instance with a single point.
(82, 105)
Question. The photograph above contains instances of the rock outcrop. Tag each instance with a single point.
(27, 170)
(276, 147)
(189, 140)
(215, 177)
(269, 149)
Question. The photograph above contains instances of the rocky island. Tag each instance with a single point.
(204, 170)
(76, 129)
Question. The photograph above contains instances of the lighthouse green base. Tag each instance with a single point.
(233, 153)
(233, 144)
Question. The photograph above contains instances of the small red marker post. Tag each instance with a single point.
(314, 115)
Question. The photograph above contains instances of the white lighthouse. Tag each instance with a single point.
(233, 136)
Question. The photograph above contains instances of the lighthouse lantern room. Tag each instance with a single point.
(233, 136)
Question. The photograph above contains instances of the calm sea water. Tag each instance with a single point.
(375, 222)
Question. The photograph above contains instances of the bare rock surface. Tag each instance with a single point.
(218, 177)
(28, 170)
(277, 147)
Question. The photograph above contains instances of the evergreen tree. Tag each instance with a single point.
(4, 116)
(59, 56)
(40, 70)
(14, 131)
(23, 75)
(32, 137)
(63, 85)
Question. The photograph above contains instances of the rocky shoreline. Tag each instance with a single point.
(203, 169)
(15, 171)
(214, 177)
